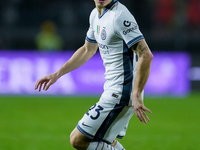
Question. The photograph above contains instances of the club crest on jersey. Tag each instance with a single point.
(103, 34)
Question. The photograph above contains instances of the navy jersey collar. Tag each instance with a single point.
(108, 7)
(111, 4)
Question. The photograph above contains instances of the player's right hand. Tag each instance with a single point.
(46, 82)
(140, 109)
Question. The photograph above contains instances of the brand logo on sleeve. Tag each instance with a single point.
(127, 23)
(132, 26)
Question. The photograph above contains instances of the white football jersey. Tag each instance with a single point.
(115, 31)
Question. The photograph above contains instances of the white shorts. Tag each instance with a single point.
(104, 121)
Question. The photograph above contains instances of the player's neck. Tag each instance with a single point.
(101, 5)
(100, 11)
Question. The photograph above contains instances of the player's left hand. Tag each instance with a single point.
(46, 82)
(140, 110)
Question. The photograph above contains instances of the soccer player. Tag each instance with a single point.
(127, 60)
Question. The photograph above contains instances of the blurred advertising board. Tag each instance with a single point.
(20, 70)
(169, 74)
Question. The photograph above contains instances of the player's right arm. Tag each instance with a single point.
(143, 71)
(81, 56)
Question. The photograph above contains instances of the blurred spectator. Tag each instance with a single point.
(48, 39)
(164, 13)
(162, 19)
(193, 13)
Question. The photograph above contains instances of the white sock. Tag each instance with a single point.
(119, 146)
(100, 146)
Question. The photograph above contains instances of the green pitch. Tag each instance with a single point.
(45, 123)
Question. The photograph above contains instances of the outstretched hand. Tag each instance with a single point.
(140, 110)
(46, 82)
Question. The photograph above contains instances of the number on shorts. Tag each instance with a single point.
(97, 111)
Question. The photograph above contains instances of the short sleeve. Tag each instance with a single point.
(90, 33)
(127, 28)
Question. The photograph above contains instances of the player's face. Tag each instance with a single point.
(101, 3)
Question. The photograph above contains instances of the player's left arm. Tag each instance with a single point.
(143, 71)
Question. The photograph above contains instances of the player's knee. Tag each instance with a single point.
(73, 140)
(74, 144)
(77, 142)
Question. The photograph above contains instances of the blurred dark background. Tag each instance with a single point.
(168, 25)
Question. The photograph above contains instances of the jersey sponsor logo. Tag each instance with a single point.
(104, 51)
(127, 23)
(103, 34)
(101, 46)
